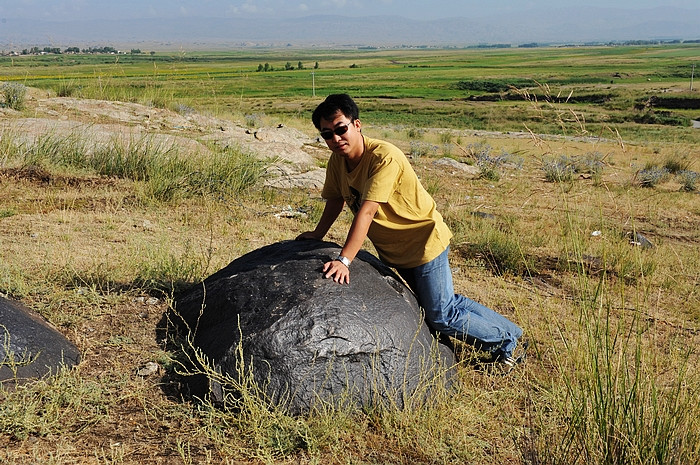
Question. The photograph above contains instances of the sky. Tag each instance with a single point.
(61, 10)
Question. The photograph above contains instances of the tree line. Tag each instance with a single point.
(287, 67)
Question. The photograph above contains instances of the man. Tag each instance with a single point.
(391, 207)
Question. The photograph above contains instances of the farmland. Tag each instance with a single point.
(489, 89)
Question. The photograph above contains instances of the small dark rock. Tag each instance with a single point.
(639, 240)
(484, 215)
(30, 347)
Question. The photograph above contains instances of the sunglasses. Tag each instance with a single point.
(339, 131)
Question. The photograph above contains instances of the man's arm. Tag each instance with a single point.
(330, 213)
(356, 237)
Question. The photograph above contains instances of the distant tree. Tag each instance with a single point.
(316, 65)
(354, 66)
(135, 51)
(152, 53)
(260, 67)
(267, 67)
(288, 66)
(72, 50)
(300, 65)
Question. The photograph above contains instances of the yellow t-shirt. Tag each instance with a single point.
(407, 230)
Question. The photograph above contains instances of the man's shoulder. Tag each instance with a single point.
(382, 148)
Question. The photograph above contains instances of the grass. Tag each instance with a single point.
(164, 173)
(98, 235)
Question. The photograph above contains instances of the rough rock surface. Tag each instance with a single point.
(309, 339)
(30, 347)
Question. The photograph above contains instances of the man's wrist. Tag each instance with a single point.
(344, 260)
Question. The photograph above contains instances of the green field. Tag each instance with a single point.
(470, 88)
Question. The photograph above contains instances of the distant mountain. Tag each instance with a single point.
(557, 26)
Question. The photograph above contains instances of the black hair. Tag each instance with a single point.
(333, 104)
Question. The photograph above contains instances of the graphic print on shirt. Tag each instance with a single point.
(353, 200)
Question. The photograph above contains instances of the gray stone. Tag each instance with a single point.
(307, 339)
(639, 240)
(30, 347)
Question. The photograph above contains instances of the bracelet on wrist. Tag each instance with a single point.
(343, 260)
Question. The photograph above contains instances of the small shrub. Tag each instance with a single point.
(414, 133)
(590, 163)
(651, 176)
(446, 137)
(421, 149)
(162, 270)
(447, 149)
(560, 170)
(254, 120)
(183, 109)
(15, 94)
(7, 212)
(503, 253)
(676, 165)
(689, 180)
(67, 88)
(491, 166)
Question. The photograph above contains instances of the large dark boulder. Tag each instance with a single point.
(30, 347)
(271, 316)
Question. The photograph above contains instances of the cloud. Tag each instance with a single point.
(336, 3)
(248, 7)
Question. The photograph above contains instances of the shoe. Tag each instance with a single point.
(507, 364)
(521, 350)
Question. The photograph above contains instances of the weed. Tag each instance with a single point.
(503, 253)
(591, 163)
(448, 150)
(446, 137)
(15, 94)
(689, 180)
(422, 149)
(7, 212)
(432, 184)
(414, 133)
(650, 176)
(67, 88)
(491, 166)
(13, 282)
(675, 165)
(184, 109)
(63, 403)
(161, 270)
(561, 169)
(254, 120)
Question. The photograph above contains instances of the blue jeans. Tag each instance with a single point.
(455, 315)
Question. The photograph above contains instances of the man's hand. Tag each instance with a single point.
(308, 235)
(337, 271)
